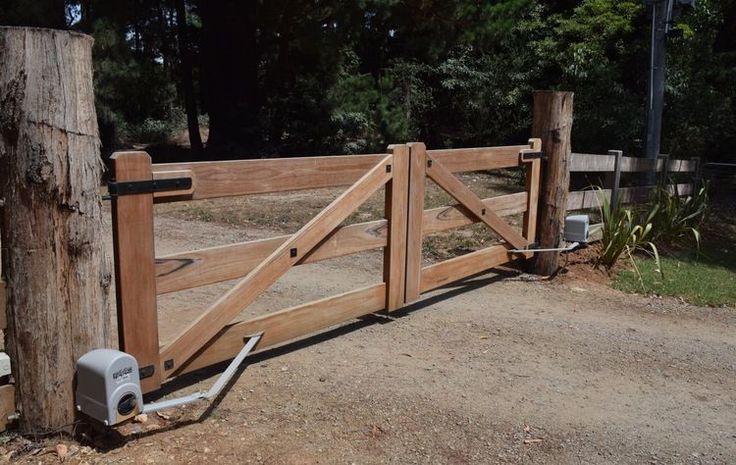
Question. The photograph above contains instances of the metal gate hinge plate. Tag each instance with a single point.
(117, 188)
(529, 156)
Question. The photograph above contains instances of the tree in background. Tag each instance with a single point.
(303, 77)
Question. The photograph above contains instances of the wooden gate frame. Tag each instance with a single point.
(213, 337)
(439, 165)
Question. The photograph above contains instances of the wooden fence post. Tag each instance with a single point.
(135, 268)
(616, 176)
(697, 174)
(552, 122)
(394, 261)
(417, 181)
(51, 223)
(665, 159)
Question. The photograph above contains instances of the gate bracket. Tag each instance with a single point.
(527, 156)
(117, 188)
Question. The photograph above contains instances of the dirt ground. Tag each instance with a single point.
(496, 369)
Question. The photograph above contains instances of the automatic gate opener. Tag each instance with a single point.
(109, 389)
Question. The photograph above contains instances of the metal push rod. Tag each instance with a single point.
(216, 388)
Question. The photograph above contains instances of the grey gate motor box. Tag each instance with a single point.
(577, 228)
(108, 386)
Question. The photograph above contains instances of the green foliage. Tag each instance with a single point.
(624, 231)
(666, 220)
(296, 76)
(675, 218)
(707, 279)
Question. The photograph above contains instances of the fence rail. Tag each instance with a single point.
(614, 162)
(587, 162)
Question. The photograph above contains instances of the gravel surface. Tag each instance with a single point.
(493, 370)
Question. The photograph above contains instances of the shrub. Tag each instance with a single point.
(675, 219)
(625, 230)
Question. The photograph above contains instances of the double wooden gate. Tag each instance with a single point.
(214, 336)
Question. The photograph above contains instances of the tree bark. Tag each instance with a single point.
(51, 225)
(187, 83)
(552, 122)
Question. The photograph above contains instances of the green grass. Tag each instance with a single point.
(706, 279)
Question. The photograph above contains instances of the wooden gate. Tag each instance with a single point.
(214, 336)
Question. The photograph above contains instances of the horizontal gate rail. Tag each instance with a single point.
(186, 270)
(243, 177)
(292, 323)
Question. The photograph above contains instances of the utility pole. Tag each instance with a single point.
(663, 12)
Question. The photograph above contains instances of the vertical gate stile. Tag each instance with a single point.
(533, 175)
(394, 260)
(417, 181)
(135, 275)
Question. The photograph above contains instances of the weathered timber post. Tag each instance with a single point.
(52, 231)
(552, 122)
(616, 187)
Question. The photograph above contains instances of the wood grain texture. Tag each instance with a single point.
(552, 123)
(439, 174)
(7, 404)
(589, 162)
(533, 180)
(186, 270)
(51, 227)
(457, 268)
(222, 312)
(394, 261)
(242, 177)
(416, 220)
(135, 278)
(290, 324)
(478, 159)
(580, 200)
(616, 182)
(455, 216)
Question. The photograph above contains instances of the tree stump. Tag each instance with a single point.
(553, 124)
(51, 226)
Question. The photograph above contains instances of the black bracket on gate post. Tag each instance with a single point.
(148, 186)
(529, 156)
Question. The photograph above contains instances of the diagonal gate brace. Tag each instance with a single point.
(226, 308)
(446, 180)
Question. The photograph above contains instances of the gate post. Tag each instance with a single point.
(417, 181)
(135, 271)
(553, 124)
(53, 254)
(397, 196)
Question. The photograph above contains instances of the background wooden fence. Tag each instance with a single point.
(615, 163)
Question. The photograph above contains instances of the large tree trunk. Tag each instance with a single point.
(230, 63)
(187, 83)
(53, 256)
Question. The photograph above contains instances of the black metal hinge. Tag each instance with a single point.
(116, 188)
(529, 156)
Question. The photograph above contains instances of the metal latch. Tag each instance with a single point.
(529, 156)
(146, 187)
